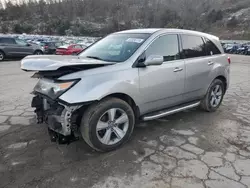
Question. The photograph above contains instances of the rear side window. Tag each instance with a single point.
(193, 46)
(21, 42)
(211, 48)
(166, 46)
(7, 40)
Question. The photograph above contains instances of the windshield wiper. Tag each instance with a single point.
(94, 57)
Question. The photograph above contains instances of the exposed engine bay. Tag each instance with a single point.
(61, 119)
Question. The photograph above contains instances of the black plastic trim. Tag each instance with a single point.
(182, 55)
(138, 63)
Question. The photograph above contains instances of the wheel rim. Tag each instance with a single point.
(216, 96)
(1, 56)
(38, 53)
(112, 126)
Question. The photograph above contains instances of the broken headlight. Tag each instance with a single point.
(53, 89)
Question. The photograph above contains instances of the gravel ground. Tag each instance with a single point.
(191, 149)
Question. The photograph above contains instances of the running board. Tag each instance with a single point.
(162, 113)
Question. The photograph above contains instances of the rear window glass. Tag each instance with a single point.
(193, 46)
(211, 48)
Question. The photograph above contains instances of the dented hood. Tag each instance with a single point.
(54, 62)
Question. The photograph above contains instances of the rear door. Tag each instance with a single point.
(23, 48)
(198, 66)
(162, 86)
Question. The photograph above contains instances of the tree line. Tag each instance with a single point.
(99, 17)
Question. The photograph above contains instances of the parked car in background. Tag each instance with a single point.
(232, 48)
(11, 47)
(236, 47)
(50, 47)
(226, 46)
(242, 50)
(248, 50)
(70, 50)
(128, 76)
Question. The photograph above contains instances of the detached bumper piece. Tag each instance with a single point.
(61, 139)
(61, 119)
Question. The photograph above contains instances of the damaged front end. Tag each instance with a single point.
(61, 119)
(60, 116)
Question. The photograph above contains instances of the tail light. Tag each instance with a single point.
(46, 47)
(229, 60)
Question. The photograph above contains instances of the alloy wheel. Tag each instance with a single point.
(38, 53)
(1, 56)
(112, 126)
(216, 96)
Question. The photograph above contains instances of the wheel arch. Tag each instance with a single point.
(2, 52)
(128, 99)
(224, 80)
(122, 96)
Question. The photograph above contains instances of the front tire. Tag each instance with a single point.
(214, 96)
(2, 56)
(107, 124)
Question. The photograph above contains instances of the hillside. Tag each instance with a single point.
(229, 19)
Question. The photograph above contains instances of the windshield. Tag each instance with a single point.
(115, 47)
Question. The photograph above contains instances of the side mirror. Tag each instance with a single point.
(28, 44)
(154, 60)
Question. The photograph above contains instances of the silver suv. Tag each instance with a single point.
(127, 76)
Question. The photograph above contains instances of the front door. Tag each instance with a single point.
(162, 86)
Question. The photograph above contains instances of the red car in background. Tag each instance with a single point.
(70, 50)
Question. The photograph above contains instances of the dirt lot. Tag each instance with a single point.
(192, 149)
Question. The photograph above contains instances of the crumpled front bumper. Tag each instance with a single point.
(60, 118)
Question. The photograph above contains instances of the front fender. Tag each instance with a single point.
(95, 87)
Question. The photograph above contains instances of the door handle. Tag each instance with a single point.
(210, 63)
(178, 69)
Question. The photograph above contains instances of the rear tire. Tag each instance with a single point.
(2, 56)
(214, 96)
(106, 132)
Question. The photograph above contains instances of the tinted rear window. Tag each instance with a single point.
(211, 48)
(193, 46)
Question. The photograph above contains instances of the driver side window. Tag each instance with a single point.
(166, 46)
